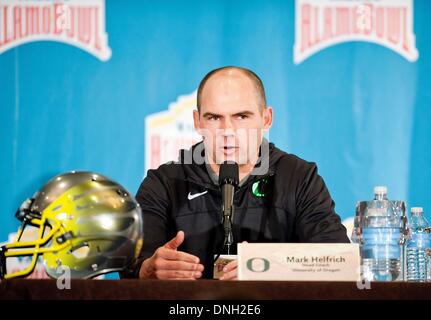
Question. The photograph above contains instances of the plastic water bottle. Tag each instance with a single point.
(418, 246)
(378, 229)
(429, 266)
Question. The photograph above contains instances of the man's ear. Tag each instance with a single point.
(267, 117)
(196, 121)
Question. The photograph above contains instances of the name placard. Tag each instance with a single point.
(299, 261)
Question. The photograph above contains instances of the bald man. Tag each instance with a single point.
(281, 198)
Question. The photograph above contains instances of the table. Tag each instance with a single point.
(128, 289)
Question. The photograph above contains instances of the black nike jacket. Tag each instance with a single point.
(290, 203)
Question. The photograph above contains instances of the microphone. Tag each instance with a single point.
(228, 181)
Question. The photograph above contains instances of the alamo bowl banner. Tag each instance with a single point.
(110, 86)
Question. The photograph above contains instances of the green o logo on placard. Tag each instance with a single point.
(258, 264)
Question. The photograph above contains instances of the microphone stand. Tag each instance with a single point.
(228, 181)
(227, 225)
(228, 210)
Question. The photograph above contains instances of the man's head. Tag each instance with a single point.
(232, 115)
(254, 78)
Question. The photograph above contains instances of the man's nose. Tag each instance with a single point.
(228, 127)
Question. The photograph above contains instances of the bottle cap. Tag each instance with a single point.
(380, 190)
(417, 210)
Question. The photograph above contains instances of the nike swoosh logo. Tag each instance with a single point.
(192, 196)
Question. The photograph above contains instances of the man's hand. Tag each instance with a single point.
(230, 271)
(168, 263)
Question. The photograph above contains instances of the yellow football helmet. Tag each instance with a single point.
(86, 222)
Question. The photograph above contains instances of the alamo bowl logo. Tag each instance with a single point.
(80, 23)
(320, 24)
(169, 131)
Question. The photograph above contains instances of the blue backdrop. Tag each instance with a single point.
(358, 109)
